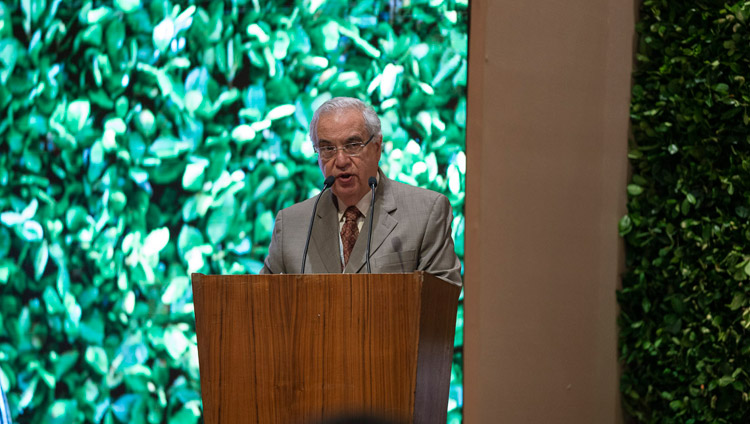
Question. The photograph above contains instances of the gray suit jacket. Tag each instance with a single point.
(411, 231)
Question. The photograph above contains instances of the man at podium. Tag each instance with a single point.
(411, 226)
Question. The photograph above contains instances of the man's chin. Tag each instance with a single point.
(349, 195)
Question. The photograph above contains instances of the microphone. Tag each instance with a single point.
(326, 185)
(372, 182)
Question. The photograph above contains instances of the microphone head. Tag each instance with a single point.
(372, 182)
(329, 181)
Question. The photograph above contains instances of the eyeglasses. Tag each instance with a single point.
(349, 149)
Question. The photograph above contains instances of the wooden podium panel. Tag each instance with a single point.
(304, 348)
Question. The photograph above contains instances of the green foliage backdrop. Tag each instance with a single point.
(141, 141)
(685, 300)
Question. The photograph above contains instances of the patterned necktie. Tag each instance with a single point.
(350, 231)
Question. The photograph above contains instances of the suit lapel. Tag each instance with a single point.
(324, 258)
(382, 226)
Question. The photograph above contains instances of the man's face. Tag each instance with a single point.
(352, 173)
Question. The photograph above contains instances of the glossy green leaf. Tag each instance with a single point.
(97, 15)
(186, 415)
(188, 238)
(92, 328)
(281, 43)
(634, 189)
(193, 100)
(280, 112)
(115, 36)
(31, 231)
(8, 55)
(243, 133)
(124, 406)
(128, 5)
(52, 301)
(73, 310)
(163, 33)
(219, 221)
(365, 46)
(193, 177)
(77, 114)
(258, 32)
(28, 393)
(137, 378)
(330, 35)
(32, 10)
(265, 185)
(625, 225)
(65, 362)
(63, 411)
(169, 147)
(155, 241)
(128, 302)
(145, 122)
(175, 289)
(175, 342)
(11, 218)
(96, 357)
(449, 63)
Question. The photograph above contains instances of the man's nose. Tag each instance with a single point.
(341, 159)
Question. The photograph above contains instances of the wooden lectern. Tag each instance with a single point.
(305, 348)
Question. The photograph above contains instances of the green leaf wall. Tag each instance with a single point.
(141, 141)
(685, 304)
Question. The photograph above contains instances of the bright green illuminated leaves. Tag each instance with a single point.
(144, 141)
(163, 34)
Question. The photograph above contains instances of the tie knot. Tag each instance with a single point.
(351, 213)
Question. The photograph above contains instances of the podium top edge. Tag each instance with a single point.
(420, 273)
(200, 274)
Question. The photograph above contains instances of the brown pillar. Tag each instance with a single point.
(549, 89)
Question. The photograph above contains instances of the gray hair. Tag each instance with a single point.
(337, 104)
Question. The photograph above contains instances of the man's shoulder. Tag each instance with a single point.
(403, 189)
(303, 207)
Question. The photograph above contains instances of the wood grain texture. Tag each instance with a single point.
(437, 331)
(303, 348)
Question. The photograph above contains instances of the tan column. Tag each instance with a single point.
(549, 88)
